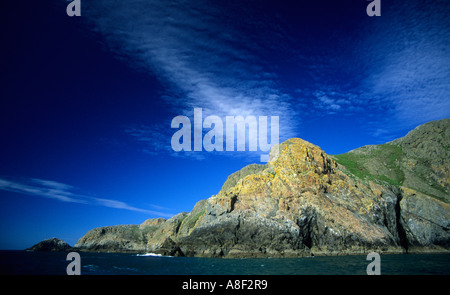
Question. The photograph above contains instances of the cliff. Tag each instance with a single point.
(390, 198)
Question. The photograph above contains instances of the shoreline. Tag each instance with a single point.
(249, 255)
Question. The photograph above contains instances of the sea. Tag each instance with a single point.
(56, 263)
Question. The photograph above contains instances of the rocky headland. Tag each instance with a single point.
(389, 198)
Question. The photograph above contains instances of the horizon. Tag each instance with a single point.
(87, 101)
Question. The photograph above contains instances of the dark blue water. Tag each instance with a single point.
(54, 263)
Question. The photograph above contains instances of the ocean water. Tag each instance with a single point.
(54, 263)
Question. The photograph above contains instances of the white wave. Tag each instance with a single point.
(152, 255)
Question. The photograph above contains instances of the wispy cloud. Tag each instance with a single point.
(410, 67)
(393, 70)
(66, 193)
(199, 52)
(43, 188)
(151, 137)
(333, 101)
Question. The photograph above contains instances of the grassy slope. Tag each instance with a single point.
(389, 163)
(376, 163)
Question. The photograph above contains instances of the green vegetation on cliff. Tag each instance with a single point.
(420, 160)
(380, 163)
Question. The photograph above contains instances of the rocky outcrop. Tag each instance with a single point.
(425, 220)
(304, 202)
(119, 238)
(300, 204)
(50, 245)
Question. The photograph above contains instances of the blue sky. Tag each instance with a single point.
(86, 103)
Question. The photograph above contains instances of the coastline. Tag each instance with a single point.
(258, 255)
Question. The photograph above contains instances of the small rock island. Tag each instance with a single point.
(50, 245)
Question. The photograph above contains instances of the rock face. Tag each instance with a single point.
(300, 204)
(304, 202)
(119, 238)
(52, 244)
(425, 220)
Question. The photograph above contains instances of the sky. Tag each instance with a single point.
(87, 103)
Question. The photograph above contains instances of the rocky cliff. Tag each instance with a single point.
(390, 198)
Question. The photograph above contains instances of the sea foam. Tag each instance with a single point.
(152, 255)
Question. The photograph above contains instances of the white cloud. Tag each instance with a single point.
(155, 138)
(396, 66)
(394, 75)
(122, 205)
(199, 53)
(65, 193)
(43, 188)
(409, 64)
(324, 102)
